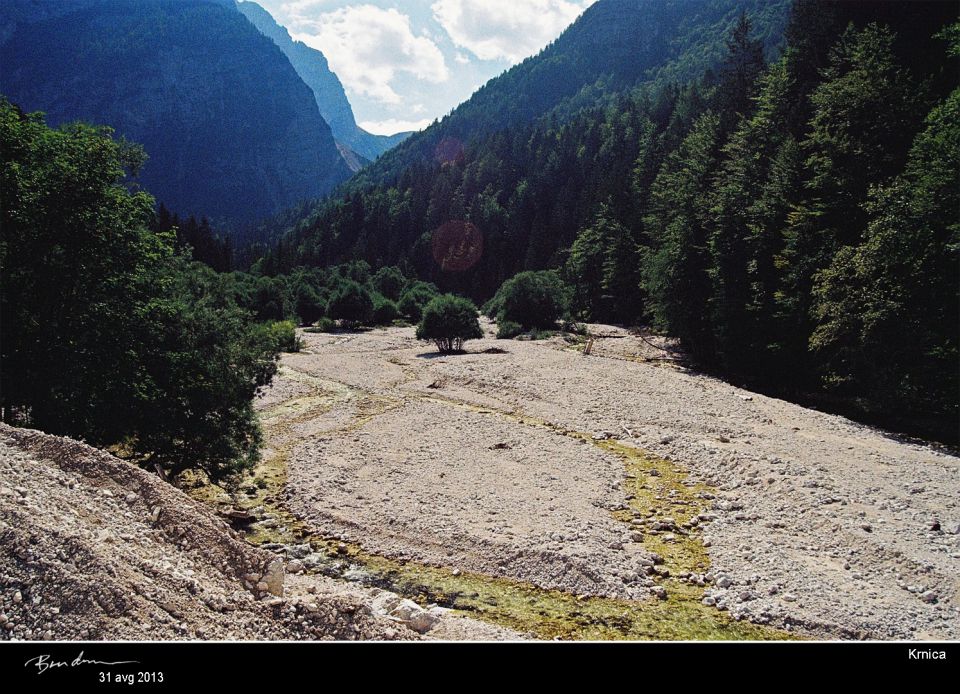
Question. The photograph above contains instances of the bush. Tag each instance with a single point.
(508, 330)
(389, 282)
(385, 311)
(531, 299)
(351, 303)
(324, 325)
(281, 336)
(414, 298)
(449, 321)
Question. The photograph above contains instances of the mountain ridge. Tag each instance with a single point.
(314, 69)
(231, 130)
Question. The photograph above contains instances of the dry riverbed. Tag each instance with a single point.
(602, 496)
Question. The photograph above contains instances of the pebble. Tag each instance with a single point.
(18, 597)
(929, 597)
(724, 582)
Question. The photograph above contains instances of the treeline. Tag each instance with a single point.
(793, 223)
(109, 333)
(346, 295)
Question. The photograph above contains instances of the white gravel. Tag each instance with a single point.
(821, 524)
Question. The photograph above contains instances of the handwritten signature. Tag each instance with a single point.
(43, 662)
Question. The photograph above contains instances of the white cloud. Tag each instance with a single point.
(392, 126)
(508, 30)
(367, 46)
(461, 58)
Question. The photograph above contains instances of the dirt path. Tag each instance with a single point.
(598, 475)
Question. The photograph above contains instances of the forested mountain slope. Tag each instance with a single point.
(231, 130)
(792, 220)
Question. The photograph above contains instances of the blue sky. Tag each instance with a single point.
(406, 63)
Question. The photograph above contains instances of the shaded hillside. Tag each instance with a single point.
(332, 101)
(231, 130)
(614, 45)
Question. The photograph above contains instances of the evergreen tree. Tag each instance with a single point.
(676, 272)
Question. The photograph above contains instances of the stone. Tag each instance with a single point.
(789, 597)
(273, 577)
(724, 582)
(414, 616)
(929, 597)
(130, 498)
(659, 592)
(866, 527)
(295, 566)
(709, 601)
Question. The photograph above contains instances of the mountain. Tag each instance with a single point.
(231, 130)
(332, 101)
(613, 46)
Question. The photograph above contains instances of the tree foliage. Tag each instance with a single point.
(449, 321)
(531, 300)
(108, 335)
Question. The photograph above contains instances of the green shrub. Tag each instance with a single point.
(531, 299)
(414, 298)
(507, 330)
(449, 321)
(324, 325)
(281, 336)
(385, 311)
(351, 303)
(389, 282)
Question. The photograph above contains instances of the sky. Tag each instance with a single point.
(404, 64)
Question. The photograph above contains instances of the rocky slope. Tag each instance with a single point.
(92, 547)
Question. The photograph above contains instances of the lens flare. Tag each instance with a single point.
(457, 246)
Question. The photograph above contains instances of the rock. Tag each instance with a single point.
(273, 577)
(659, 592)
(414, 616)
(501, 447)
(789, 597)
(385, 603)
(295, 566)
(934, 525)
(929, 597)
(709, 601)
(18, 597)
(724, 582)
(131, 498)
(455, 572)
(866, 527)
